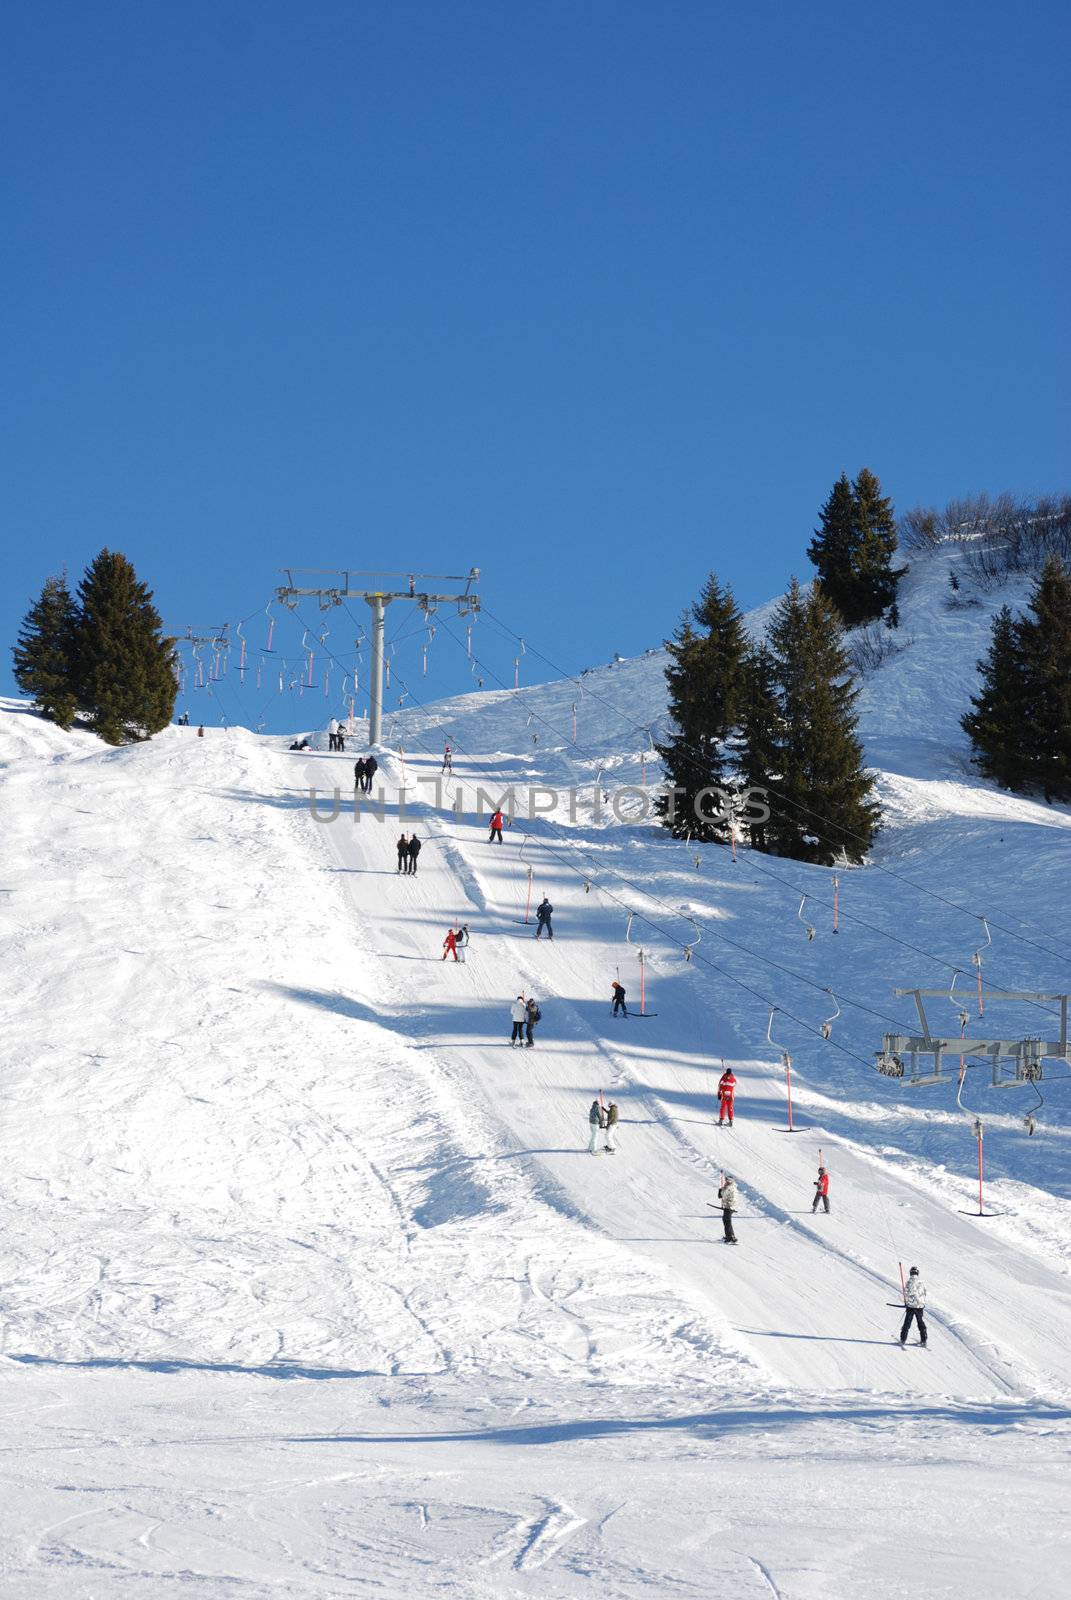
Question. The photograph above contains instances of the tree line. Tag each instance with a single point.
(100, 655)
(779, 717)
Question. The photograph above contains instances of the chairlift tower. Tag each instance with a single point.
(336, 585)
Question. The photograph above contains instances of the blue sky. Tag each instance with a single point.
(594, 296)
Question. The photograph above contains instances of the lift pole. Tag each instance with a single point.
(346, 586)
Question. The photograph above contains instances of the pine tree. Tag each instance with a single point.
(1044, 641)
(996, 726)
(822, 808)
(705, 680)
(853, 549)
(124, 664)
(44, 653)
(761, 734)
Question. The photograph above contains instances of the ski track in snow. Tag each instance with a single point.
(310, 1285)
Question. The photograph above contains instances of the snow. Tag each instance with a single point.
(311, 1287)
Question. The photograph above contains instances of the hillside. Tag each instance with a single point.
(311, 1286)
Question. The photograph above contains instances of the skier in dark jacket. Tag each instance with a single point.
(611, 1128)
(620, 1008)
(403, 853)
(544, 911)
(596, 1122)
(370, 765)
(414, 851)
(532, 1016)
(358, 774)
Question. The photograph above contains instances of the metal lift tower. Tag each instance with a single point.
(332, 586)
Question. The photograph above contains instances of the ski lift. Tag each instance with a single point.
(786, 1064)
(827, 1025)
(587, 885)
(803, 919)
(691, 944)
(271, 627)
(976, 962)
(241, 658)
(889, 1064)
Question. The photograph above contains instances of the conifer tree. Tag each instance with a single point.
(1044, 641)
(996, 726)
(44, 653)
(821, 805)
(124, 664)
(705, 679)
(853, 549)
(761, 734)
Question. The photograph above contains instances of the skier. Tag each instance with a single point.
(448, 765)
(611, 1128)
(462, 941)
(332, 733)
(726, 1091)
(450, 944)
(596, 1123)
(495, 835)
(821, 1190)
(358, 774)
(370, 765)
(727, 1196)
(532, 1016)
(544, 911)
(414, 851)
(620, 1008)
(403, 853)
(184, 720)
(340, 740)
(519, 1014)
(914, 1302)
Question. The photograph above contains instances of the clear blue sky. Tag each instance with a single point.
(595, 296)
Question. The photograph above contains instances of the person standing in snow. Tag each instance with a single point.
(821, 1190)
(495, 835)
(370, 765)
(620, 1008)
(450, 944)
(611, 1128)
(462, 941)
(596, 1122)
(448, 765)
(332, 733)
(544, 911)
(340, 740)
(726, 1092)
(403, 853)
(519, 1015)
(531, 1017)
(414, 852)
(727, 1196)
(358, 774)
(914, 1304)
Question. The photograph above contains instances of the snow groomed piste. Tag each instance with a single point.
(311, 1284)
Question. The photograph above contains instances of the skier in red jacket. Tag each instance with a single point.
(495, 835)
(450, 944)
(821, 1190)
(726, 1091)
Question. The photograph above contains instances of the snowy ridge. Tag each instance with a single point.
(310, 1285)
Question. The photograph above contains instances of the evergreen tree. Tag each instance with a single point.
(1044, 641)
(705, 679)
(821, 804)
(124, 664)
(853, 549)
(44, 653)
(761, 734)
(996, 726)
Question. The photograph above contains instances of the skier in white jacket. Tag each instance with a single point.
(914, 1302)
(519, 1014)
(727, 1196)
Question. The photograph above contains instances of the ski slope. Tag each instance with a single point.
(310, 1286)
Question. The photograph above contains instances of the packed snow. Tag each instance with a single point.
(310, 1284)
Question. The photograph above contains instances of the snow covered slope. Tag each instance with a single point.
(310, 1285)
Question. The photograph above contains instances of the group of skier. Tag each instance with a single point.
(336, 735)
(524, 1014)
(602, 1119)
(409, 848)
(456, 942)
(364, 770)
